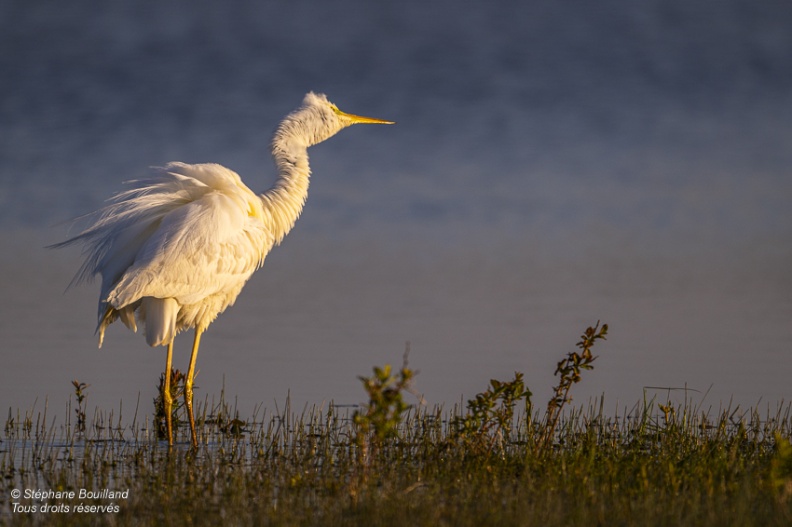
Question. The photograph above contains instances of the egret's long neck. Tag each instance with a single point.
(285, 200)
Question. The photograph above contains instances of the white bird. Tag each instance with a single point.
(176, 249)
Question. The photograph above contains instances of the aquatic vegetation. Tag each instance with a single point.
(80, 395)
(497, 461)
(569, 371)
(176, 388)
(489, 418)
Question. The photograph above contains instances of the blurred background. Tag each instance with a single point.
(554, 164)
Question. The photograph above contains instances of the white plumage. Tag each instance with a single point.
(178, 248)
(174, 250)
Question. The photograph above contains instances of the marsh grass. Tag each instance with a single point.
(494, 461)
(642, 467)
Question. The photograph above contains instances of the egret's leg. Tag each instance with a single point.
(188, 385)
(167, 400)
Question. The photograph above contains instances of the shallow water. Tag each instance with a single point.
(552, 166)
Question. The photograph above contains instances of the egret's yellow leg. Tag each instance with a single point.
(188, 385)
(167, 400)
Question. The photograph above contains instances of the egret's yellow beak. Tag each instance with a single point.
(359, 119)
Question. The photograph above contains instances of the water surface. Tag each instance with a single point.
(552, 165)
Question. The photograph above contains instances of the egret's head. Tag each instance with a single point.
(319, 119)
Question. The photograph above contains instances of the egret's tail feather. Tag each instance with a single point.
(110, 315)
(160, 315)
(126, 314)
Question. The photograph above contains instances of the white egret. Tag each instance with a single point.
(176, 248)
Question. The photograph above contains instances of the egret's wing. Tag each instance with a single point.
(159, 224)
(199, 249)
(201, 246)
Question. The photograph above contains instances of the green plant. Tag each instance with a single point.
(79, 392)
(490, 415)
(177, 390)
(386, 404)
(381, 419)
(569, 370)
(646, 466)
(781, 467)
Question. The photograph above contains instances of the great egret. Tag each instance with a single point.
(175, 249)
